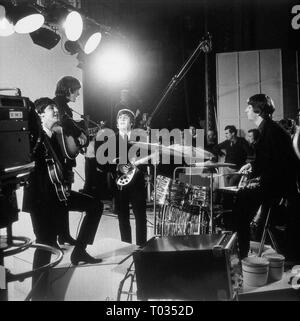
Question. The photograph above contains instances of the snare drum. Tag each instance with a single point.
(162, 189)
(200, 194)
(179, 193)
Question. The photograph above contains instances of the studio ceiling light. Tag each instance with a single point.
(45, 38)
(90, 40)
(6, 28)
(27, 19)
(73, 26)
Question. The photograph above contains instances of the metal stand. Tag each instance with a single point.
(130, 275)
(13, 245)
(154, 199)
(211, 223)
(265, 232)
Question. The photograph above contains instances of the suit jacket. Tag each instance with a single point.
(40, 192)
(65, 113)
(275, 160)
(235, 153)
(139, 179)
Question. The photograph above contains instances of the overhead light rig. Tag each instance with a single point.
(45, 20)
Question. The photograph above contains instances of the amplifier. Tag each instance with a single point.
(193, 267)
(14, 131)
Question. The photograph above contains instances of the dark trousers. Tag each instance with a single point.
(64, 227)
(46, 222)
(136, 196)
(91, 182)
(246, 206)
(96, 183)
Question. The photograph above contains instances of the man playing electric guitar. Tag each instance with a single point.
(68, 90)
(135, 192)
(42, 201)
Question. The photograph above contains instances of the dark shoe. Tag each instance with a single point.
(66, 240)
(82, 256)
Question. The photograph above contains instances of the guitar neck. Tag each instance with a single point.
(93, 131)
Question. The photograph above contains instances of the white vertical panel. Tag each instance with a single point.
(36, 70)
(249, 79)
(227, 83)
(241, 75)
(271, 78)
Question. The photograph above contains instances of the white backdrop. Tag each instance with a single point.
(36, 70)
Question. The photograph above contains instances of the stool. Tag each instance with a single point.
(267, 230)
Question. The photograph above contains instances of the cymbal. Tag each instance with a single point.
(176, 150)
(161, 149)
(210, 164)
(192, 152)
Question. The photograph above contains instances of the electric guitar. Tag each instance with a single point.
(70, 145)
(55, 172)
(129, 171)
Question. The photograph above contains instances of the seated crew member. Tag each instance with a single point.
(67, 90)
(236, 151)
(253, 136)
(42, 202)
(135, 192)
(210, 143)
(273, 167)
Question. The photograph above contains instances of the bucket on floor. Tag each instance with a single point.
(276, 267)
(255, 271)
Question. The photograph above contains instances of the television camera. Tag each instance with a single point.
(18, 132)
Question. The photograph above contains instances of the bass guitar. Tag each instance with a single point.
(55, 172)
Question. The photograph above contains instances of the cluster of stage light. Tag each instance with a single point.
(30, 16)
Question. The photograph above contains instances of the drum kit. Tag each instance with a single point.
(185, 209)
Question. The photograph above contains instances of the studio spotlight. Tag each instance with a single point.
(45, 38)
(72, 47)
(73, 26)
(6, 28)
(26, 18)
(90, 40)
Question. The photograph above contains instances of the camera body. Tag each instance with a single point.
(16, 131)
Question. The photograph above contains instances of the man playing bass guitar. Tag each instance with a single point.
(45, 198)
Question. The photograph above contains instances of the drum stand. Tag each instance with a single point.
(154, 199)
(211, 186)
(211, 220)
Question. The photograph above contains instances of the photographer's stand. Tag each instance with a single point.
(11, 245)
(10, 179)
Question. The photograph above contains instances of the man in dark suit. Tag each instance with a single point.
(67, 90)
(135, 192)
(41, 198)
(274, 169)
(236, 151)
